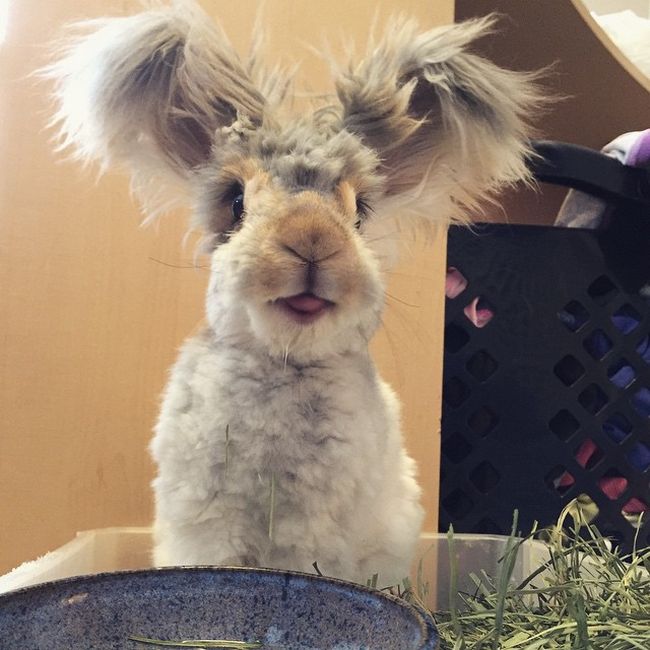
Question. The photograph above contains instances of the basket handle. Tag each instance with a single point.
(590, 171)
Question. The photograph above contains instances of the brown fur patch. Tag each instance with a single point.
(311, 227)
(305, 244)
(348, 198)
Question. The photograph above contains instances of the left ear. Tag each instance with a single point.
(449, 126)
(149, 92)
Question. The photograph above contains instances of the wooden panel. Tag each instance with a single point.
(602, 95)
(93, 308)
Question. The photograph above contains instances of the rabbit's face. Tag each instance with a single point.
(421, 129)
(293, 262)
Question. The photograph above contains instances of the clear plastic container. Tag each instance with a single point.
(472, 554)
(114, 549)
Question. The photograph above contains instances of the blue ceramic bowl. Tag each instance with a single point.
(283, 610)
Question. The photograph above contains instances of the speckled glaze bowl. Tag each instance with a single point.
(283, 610)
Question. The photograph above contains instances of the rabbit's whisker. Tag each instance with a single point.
(178, 266)
(409, 275)
(378, 238)
(393, 309)
(399, 300)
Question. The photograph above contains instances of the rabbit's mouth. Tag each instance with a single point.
(304, 308)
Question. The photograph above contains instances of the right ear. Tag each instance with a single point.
(449, 127)
(150, 91)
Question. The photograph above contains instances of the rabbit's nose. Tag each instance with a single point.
(310, 230)
(299, 255)
(313, 254)
(314, 244)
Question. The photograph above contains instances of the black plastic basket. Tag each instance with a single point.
(546, 392)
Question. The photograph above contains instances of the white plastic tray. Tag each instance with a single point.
(115, 549)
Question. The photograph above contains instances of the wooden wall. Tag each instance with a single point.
(92, 308)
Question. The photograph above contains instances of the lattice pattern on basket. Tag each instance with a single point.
(546, 393)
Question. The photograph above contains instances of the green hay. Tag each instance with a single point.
(197, 643)
(585, 596)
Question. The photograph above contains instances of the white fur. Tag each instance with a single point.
(328, 435)
(278, 444)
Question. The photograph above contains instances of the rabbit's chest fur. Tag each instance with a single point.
(293, 455)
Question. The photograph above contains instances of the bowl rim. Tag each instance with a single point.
(423, 618)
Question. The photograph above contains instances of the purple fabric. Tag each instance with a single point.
(639, 153)
(581, 210)
(598, 345)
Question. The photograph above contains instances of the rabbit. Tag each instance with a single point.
(278, 444)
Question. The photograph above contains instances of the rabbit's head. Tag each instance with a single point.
(299, 210)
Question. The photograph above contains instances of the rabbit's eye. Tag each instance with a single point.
(237, 206)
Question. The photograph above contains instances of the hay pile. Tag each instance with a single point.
(586, 596)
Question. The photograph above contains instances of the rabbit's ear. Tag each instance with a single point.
(449, 126)
(149, 91)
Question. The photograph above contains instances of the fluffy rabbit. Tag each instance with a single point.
(278, 444)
